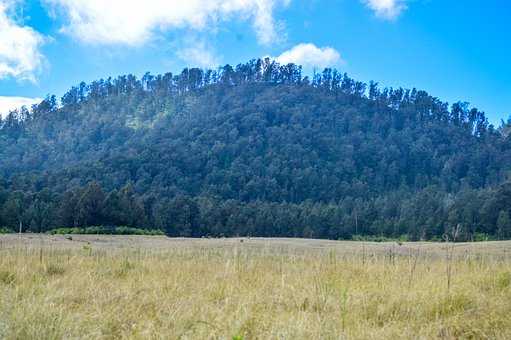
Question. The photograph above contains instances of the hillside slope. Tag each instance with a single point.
(258, 150)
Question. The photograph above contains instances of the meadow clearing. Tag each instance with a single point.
(134, 287)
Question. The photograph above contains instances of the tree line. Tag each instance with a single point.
(423, 216)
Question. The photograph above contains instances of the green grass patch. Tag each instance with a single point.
(6, 277)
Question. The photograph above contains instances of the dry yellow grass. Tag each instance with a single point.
(157, 288)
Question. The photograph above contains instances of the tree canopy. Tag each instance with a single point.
(257, 149)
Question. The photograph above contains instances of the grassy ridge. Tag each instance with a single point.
(242, 291)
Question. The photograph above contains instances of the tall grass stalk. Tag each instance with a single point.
(212, 289)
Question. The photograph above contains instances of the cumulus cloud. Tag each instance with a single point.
(386, 9)
(309, 55)
(8, 104)
(19, 46)
(133, 22)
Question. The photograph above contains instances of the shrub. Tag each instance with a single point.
(5, 230)
(482, 237)
(106, 230)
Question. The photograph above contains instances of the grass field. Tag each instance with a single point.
(110, 287)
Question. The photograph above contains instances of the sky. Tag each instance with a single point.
(457, 50)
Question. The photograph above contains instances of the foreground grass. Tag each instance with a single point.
(239, 291)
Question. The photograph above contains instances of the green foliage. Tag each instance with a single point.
(504, 280)
(6, 277)
(4, 230)
(258, 150)
(106, 231)
(504, 225)
(482, 237)
(374, 238)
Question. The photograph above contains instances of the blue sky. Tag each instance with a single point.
(456, 50)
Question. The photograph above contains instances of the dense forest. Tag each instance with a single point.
(258, 149)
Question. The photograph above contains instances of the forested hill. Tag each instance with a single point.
(259, 150)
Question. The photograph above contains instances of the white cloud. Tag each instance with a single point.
(309, 55)
(10, 103)
(198, 53)
(133, 22)
(19, 46)
(386, 9)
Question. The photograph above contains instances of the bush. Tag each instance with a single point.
(482, 237)
(5, 230)
(106, 230)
